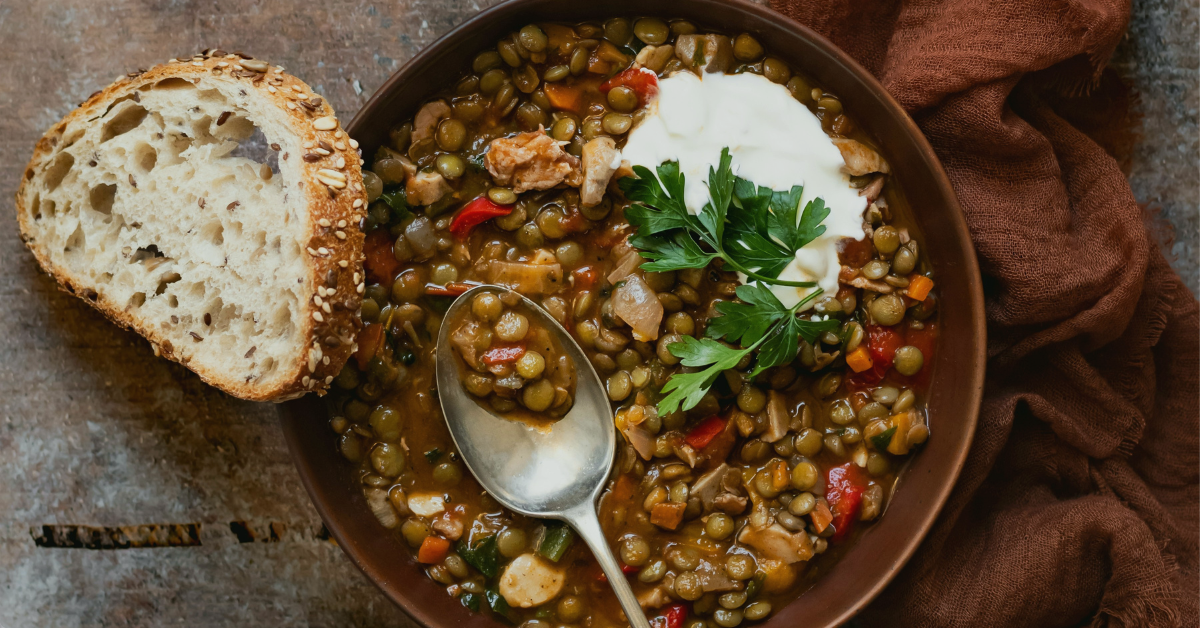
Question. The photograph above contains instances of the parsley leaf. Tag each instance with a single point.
(810, 222)
(673, 239)
(720, 188)
(883, 439)
(685, 390)
(762, 316)
(677, 252)
(782, 346)
(398, 201)
(749, 321)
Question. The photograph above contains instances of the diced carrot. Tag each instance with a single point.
(859, 359)
(780, 478)
(368, 344)
(622, 489)
(821, 517)
(564, 96)
(899, 444)
(919, 287)
(434, 549)
(667, 515)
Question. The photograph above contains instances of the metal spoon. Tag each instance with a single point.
(554, 474)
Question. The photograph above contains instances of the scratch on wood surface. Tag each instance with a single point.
(121, 537)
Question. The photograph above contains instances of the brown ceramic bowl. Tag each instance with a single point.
(958, 373)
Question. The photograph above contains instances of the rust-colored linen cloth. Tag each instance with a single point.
(1078, 502)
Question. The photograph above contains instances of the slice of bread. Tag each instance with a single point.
(213, 205)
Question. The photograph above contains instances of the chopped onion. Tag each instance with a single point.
(377, 500)
(777, 417)
(625, 267)
(641, 439)
(636, 304)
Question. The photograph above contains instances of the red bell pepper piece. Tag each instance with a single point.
(625, 569)
(381, 264)
(475, 213)
(882, 342)
(704, 432)
(585, 278)
(672, 616)
(368, 344)
(503, 354)
(449, 290)
(844, 486)
(642, 81)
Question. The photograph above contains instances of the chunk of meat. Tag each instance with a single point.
(777, 543)
(654, 598)
(529, 581)
(531, 161)
(777, 417)
(713, 578)
(686, 453)
(635, 303)
(873, 189)
(426, 504)
(851, 277)
(667, 515)
(600, 160)
(465, 339)
(713, 53)
(426, 188)
(427, 119)
(528, 279)
(655, 58)
(730, 503)
(449, 526)
(709, 485)
(860, 159)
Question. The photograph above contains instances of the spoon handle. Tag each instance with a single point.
(584, 520)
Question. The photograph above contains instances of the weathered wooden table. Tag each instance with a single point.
(100, 441)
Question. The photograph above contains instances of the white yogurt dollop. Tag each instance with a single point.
(775, 142)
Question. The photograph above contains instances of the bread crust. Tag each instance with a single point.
(336, 202)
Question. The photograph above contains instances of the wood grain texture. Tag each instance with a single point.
(95, 431)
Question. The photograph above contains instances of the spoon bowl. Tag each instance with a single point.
(550, 473)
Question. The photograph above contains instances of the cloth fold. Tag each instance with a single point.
(1079, 502)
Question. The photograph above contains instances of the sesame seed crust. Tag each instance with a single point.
(333, 194)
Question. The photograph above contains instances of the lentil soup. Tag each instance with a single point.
(740, 479)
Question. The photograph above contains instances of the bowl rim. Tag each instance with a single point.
(929, 161)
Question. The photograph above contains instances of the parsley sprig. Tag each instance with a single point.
(753, 230)
(757, 238)
(761, 321)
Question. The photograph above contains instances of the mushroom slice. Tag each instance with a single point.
(529, 581)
